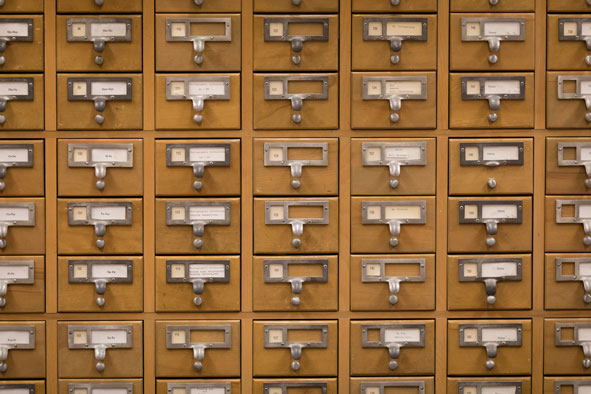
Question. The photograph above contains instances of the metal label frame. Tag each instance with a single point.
(484, 96)
(575, 383)
(559, 342)
(289, 96)
(91, 279)
(268, 162)
(285, 21)
(128, 163)
(207, 345)
(487, 260)
(574, 220)
(480, 385)
(24, 223)
(422, 161)
(383, 204)
(91, 97)
(577, 95)
(285, 264)
(490, 163)
(188, 162)
(385, 79)
(28, 328)
(188, 263)
(480, 204)
(381, 386)
(13, 386)
(30, 96)
(483, 21)
(286, 327)
(579, 146)
(30, 29)
(188, 386)
(187, 206)
(90, 21)
(187, 81)
(30, 264)
(385, 37)
(90, 205)
(480, 343)
(579, 36)
(383, 278)
(227, 36)
(576, 261)
(284, 386)
(30, 155)
(287, 220)
(366, 343)
(90, 386)
(97, 327)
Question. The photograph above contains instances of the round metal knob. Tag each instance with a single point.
(586, 363)
(393, 299)
(493, 2)
(588, 117)
(492, 183)
(296, 183)
(296, 2)
(490, 364)
(296, 59)
(197, 366)
(296, 242)
(2, 60)
(393, 242)
(99, 3)
(100, 243)
(197, 185)
(2, 185)
(490, 242)
(100, 119)
(394, 183)
(296, 118)
(197, 301)
(2, 244)
(198, 59)
(100, 184)
(198, 243)
(295, 365)
(394, 118)
(493, 58)
(100, 301)
(393, 365)
(493, 117)
(588, 183)
(395, 59)
(587, 240)
(100, 366)
(2, 302)
(588, 60)
(3, 367)
(198, 118)
(99, 60)
(2, 119)
(295, 300)
(587, 298)
(491, 299)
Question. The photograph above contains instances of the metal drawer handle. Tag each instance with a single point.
(394, 337)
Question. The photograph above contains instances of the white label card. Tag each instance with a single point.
(403, 153)
(108, 29)
(498, 390)
(584, 390)
(276, 88)
(373, 269)
(586, 29)
(178, 337)
(14, 272)
(108, 213)
(276, 212)
(586, 153)
(502, 29)
(404, 29)
(585, 211)
(499, 211)
(497, 270)
(403, 212)
(502, 87)
(14, 29)
(584, 334)
(275, 271)
(207, 271)
(374, 29)
(108, 391)
(207, 213)
(372, 390)
(470, 270)
(108, 88)
(19, 155)
(109, 271)
(197, 153)
(499, 334)
(569, 29)
(402, 335)
(14, 391)
(12, 214)
(276, 29)
(490, 152)
(99, 155)
(208, 390)
(275, 336)
(471, 153)
(374, 212)
(14, 337)
(217, 88)
(586, 86)
(404, 87)
(106, 337)
(374, 88)
(14, 88)
(585, 269)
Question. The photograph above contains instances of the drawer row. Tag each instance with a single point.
(294, 283)
(296, 166)
(294, 348)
